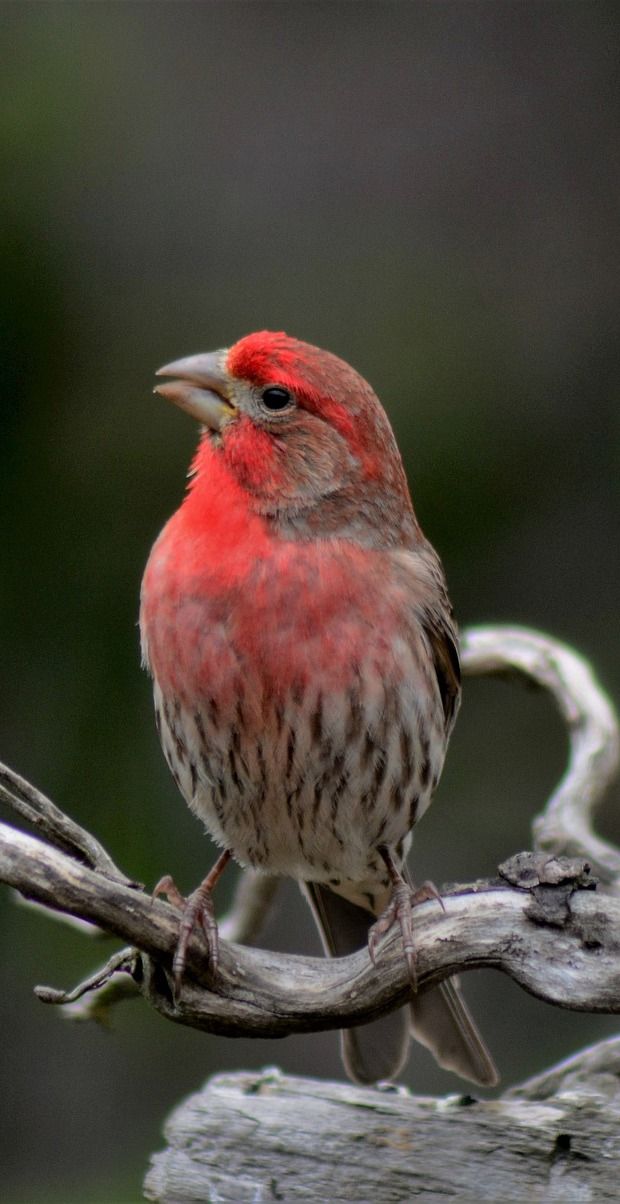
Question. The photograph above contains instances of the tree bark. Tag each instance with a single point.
(266, 1137)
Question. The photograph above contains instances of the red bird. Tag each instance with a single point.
(296, 624)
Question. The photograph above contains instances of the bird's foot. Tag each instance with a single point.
(403, 899)
(196, 912)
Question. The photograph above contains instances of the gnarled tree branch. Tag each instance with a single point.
(541, 922)
(564, 826)
(555, 1138)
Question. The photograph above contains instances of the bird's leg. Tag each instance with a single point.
(197, 909)
(404, 897)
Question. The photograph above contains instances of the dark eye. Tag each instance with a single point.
(274, 398)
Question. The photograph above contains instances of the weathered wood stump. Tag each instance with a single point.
(263, 1137)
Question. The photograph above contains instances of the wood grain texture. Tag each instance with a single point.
(558, 939)
(266, 1137)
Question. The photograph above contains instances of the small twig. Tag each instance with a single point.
(48, 820)
(95, 998)
(122, 962)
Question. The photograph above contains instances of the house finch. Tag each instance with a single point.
(296, 624)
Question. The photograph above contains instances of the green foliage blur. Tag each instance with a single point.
(428, 190)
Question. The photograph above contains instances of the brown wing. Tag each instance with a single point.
(423, 575)
(441, 632)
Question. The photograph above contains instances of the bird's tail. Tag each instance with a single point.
(437, 1017)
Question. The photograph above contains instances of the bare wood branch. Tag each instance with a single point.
(392, 1147)
(48, 820)
(111, 983)
(564, 826)
(567, 955)
(115, 981)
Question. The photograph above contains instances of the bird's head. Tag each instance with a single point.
(298, 428)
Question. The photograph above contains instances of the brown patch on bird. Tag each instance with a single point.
(355, 716)
(380, 833)
(301, 812)
(316, 721)
(378, 776)
(413, 808)
(406, 754)
(425, 773)
(341, 785)
(262, 765)
(367, 751)
(291, 744)
(397, 797)
(218, 797)
(318, 797)
(232, 764)
(235, 740)
(365, 803)
(200, 727)
(425, 762)
(334, 823)
(179, 745)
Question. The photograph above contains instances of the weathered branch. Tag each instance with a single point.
(558, 939)
(47, 819)
(239, 1140)
(564, 826)
(541, 924)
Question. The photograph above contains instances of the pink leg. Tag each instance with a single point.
(197, 910)
(404, 898)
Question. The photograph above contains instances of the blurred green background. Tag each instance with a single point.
(428, 190)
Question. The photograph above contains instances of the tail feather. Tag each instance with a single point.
(441, 1021)
(437, 1017)
(378, 1050)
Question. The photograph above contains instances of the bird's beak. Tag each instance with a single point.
(201, 387)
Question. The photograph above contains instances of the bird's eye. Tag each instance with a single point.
(275, 398)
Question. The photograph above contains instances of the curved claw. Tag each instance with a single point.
(403, 899)
(398, 909)
(196, 911)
